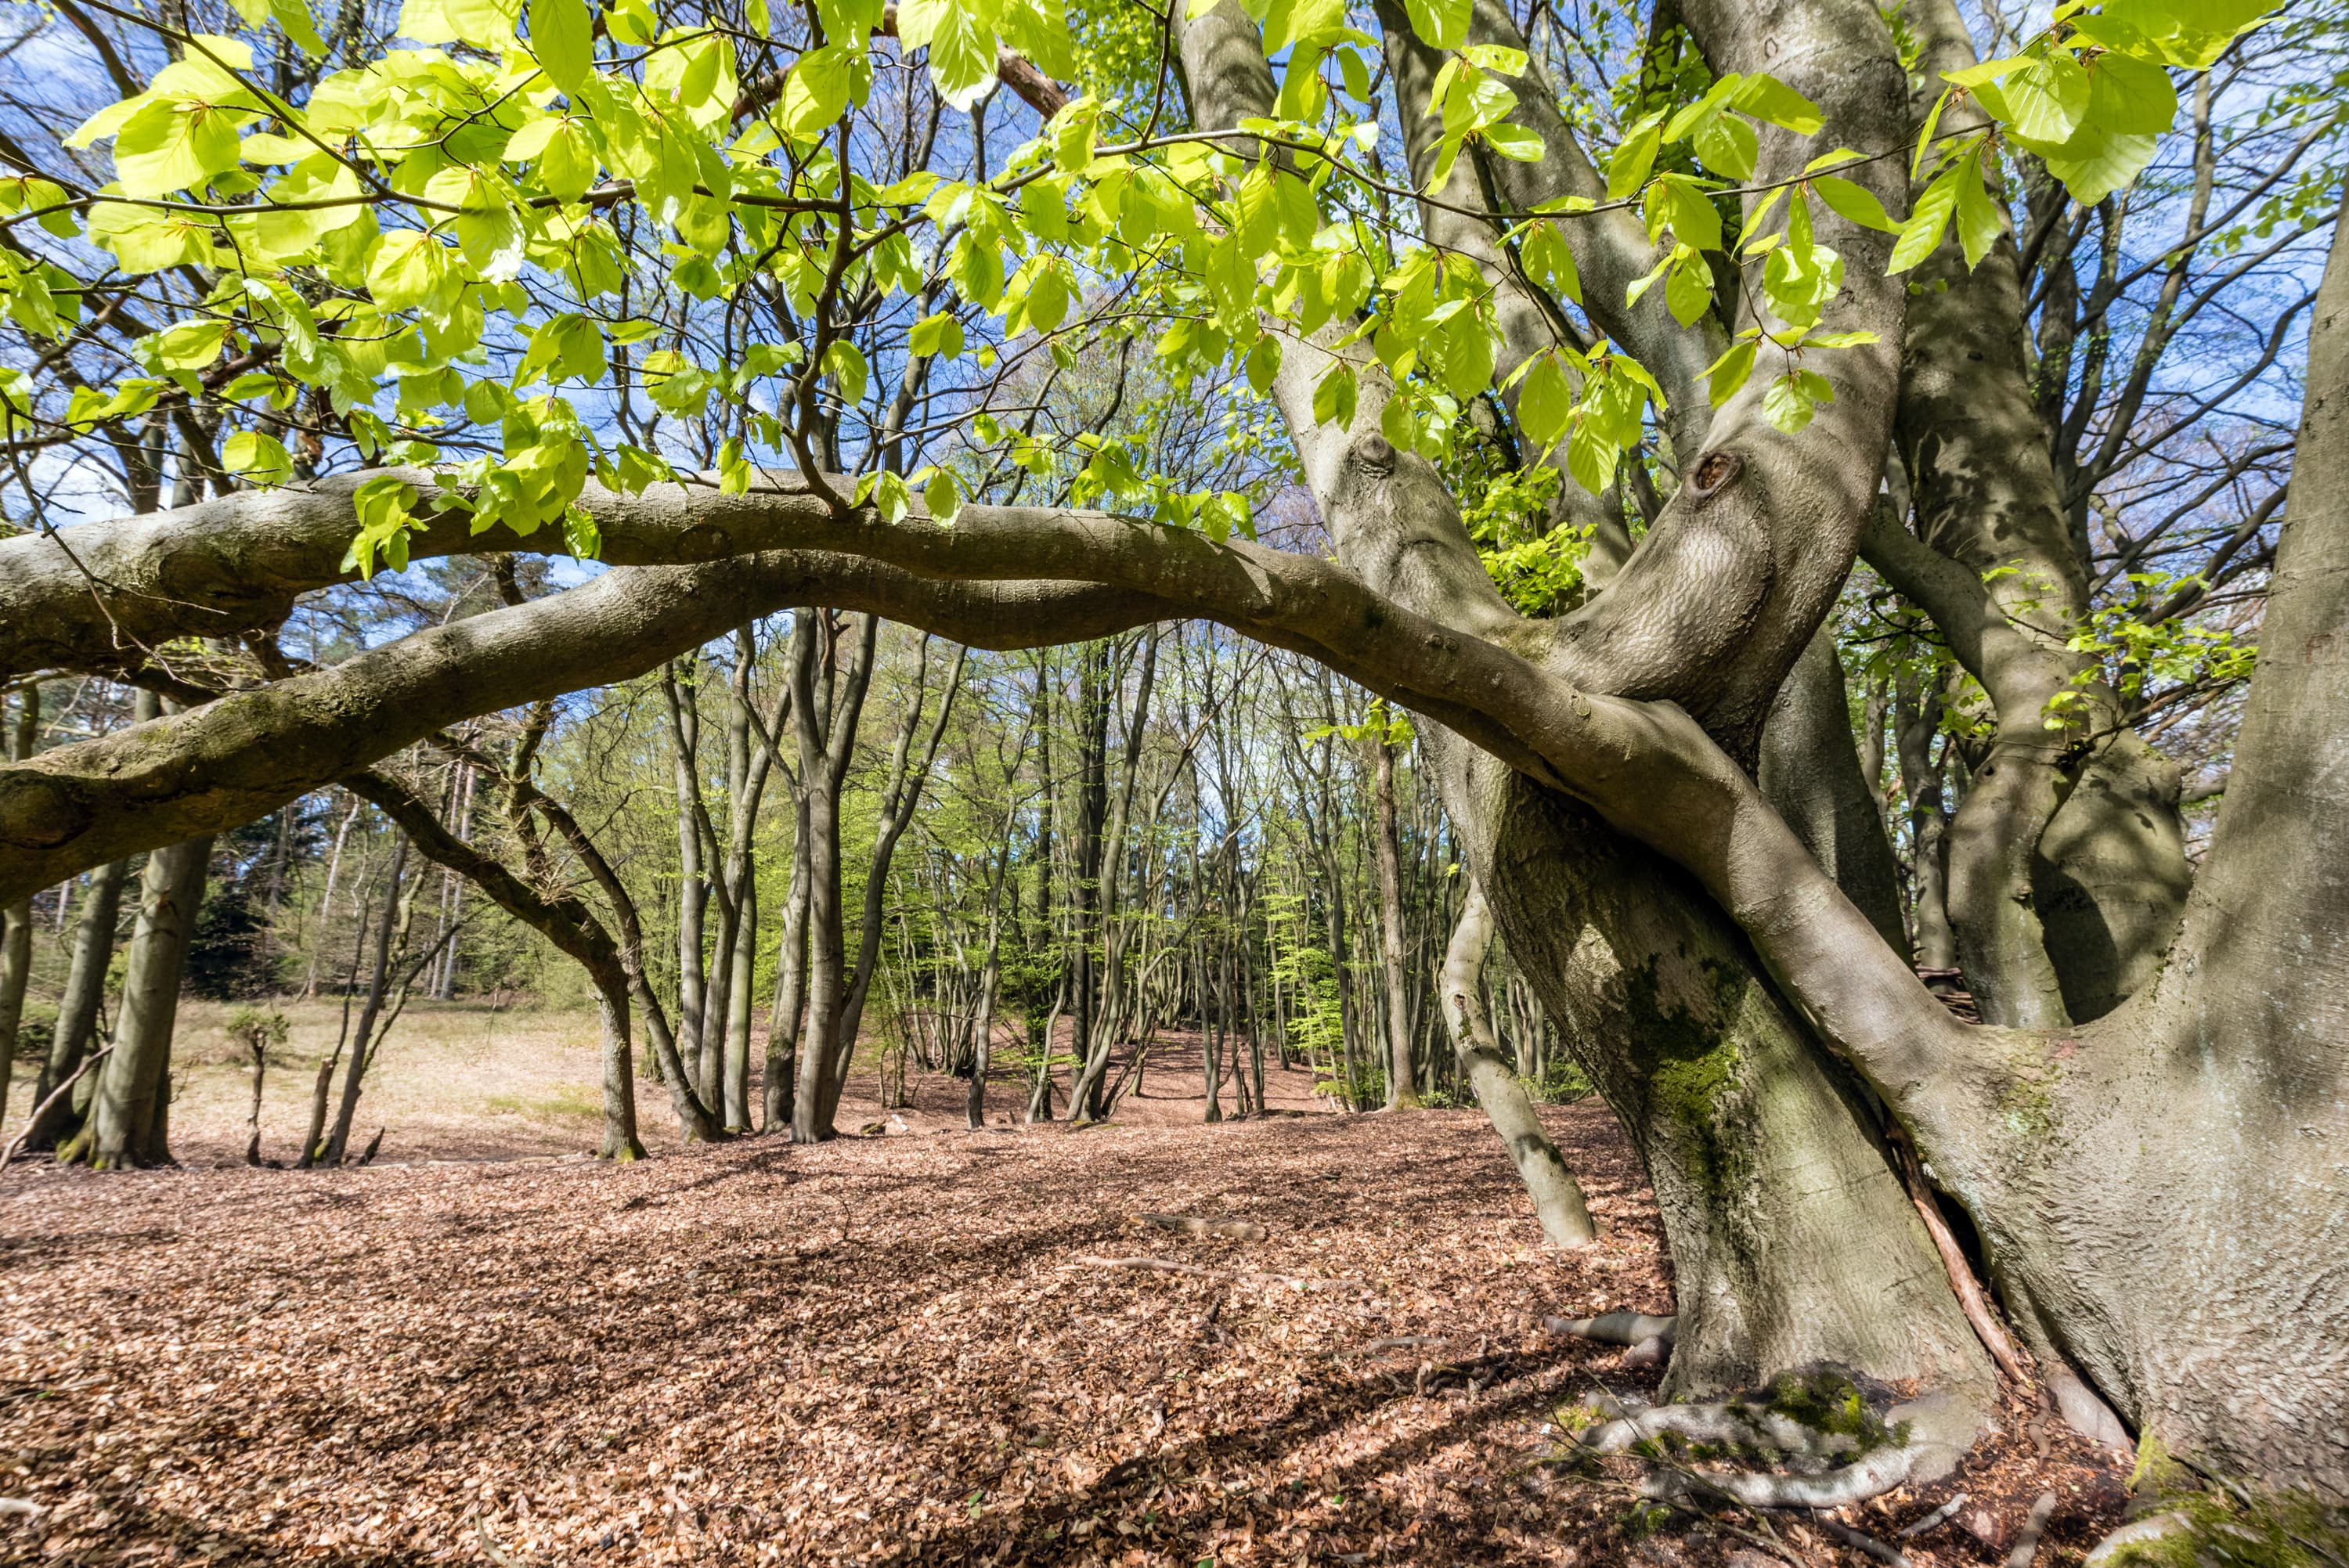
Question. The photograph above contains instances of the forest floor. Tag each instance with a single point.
(902, 1349)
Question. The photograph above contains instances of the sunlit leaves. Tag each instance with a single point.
(2090, 94)
(1334, 397)
(960, 37)
(1794, 397)
(257, 456)
(563, 39)
(489, 23)
(1439, 24)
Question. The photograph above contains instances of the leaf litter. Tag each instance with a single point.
(943, 1347)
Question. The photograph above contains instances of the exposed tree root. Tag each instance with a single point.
(1190, 1225)
(1811, 1439)
(2139, 1532)
(1629, 1328)
(1892, 1556)
(2026, 1546)
(1941, 1515)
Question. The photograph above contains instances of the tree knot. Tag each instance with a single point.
(1713, 472)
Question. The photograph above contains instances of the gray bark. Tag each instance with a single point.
(130, 1111)
(1402, 1090)
(1811, 773)
(16, 919)
(79, 1007)
(1549, 1181)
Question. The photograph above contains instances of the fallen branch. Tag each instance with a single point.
(1234, 1230)
(20, 1505)
(1627, 1328)
(2026, 1546)
(41, 1109)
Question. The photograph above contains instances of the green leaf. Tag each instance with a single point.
(1688, 292)
(960, 38)
(1725, 375)
(1546, 401)
(169, 144)
(2096, 163)
(1767, 97)
(1922, 232)
(257, 455)
(937, 335)
(1627, 171)
(1334, 396)
(563, 39)
(844, 362)
(943, 497)
(407, 267)
(1515, 141)
(1854, 203)
(1794, 397)
(191, 346)
(1439, 24)
(1264, 362)
(1550, 260)
(1728, 145)
(2047, 98)
(1977, 216)
(2131, 96)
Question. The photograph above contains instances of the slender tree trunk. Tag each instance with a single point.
(784, 1023)
(1402, 1092)
(692, 884)
(1557, 1196)
(128, 1113)
(79, 1008)
(17, 920)
(620, 1139)
(390, 937)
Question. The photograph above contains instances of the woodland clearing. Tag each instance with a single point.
(880, 1349)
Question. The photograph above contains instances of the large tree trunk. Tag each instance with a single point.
(2169, 1206)
(1792, 1238)
(2066, 861)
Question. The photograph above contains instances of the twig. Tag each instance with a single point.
(23, 1505)
(2026, 1546)
(489, 1547)
(54, 1095)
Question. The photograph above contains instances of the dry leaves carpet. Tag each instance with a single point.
(879, 1351)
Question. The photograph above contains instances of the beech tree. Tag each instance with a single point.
(744, 304)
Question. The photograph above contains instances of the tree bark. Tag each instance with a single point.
(1811, 773)
(1402, 1090)
(129, 1111)
(16, 919)
(79, 1007)
(1557, 1201)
